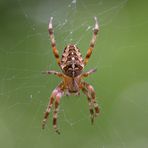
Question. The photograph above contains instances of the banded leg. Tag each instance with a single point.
(90, 105)
(93, 40)
(53, 43)
(59, 74)
(92, 93)
(86, 74)
(51, 100)
(56, 109)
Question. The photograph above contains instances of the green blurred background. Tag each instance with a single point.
(121, 80)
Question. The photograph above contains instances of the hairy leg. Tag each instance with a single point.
(90, 105)
(86, 74)
(92, 43)
(92, 94)
(56, 109)
(51, 100)
(53, 43)
(59, 74)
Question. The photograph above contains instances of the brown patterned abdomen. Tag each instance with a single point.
(71, 61)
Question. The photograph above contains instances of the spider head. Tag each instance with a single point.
(71, 61)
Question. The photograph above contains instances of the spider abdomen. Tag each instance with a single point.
(71, 61)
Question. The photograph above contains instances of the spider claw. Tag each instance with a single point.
(51, 18)
(48, 72)
(50, 21)
(95, 18)
(92, 121)
(96, 28)
(57, 131)
(43, 124)
(93, 117)
(93, 70)
(50, 25)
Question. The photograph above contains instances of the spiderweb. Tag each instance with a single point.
(25, 91)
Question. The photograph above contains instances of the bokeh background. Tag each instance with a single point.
(121, 80)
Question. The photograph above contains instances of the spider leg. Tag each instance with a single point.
(92, 94)
(92, 43)
(51, 100)
(59, 74)
(86, 74)
(53, 43)
(90, 104)
(56, 109)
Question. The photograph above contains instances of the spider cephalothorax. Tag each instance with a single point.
(72, 65)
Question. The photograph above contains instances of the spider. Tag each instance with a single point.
(72, 65)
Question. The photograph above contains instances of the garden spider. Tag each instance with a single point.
(72, 65)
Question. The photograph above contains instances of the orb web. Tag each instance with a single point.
(31, 87)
